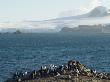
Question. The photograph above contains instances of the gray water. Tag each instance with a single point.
(30, 51)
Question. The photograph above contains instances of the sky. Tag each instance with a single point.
(20, 10)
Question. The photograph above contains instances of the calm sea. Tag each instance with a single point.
(30, 51)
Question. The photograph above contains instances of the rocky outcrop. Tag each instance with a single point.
(73, 71)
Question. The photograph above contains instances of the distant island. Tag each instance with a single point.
(99, 28)
(88, 29)
(17, 32)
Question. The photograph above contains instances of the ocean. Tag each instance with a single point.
(30, 51)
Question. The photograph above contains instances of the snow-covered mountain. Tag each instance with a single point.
(99, 11)
(98, 15)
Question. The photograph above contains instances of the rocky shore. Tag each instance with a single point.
(72, 71)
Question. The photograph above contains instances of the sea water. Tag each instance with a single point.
(30, 51)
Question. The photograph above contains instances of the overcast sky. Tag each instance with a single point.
(19, 10)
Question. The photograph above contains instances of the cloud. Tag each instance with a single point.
(82, 10)
(95, 3)
(74, 12)
(7, 25)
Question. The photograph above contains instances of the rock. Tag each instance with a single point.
(69, 72)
